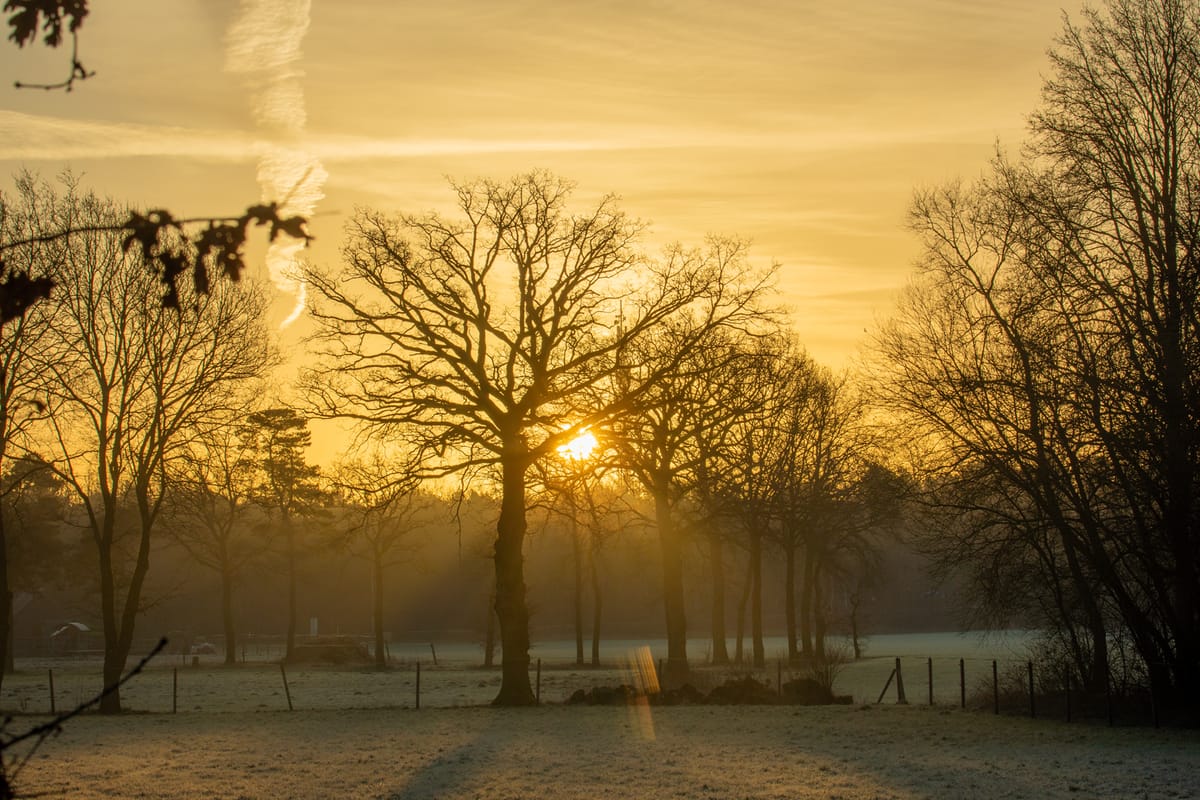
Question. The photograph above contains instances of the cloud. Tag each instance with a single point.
(264, 46)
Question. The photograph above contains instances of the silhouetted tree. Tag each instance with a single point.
(21, 333)
(288, 485)
(213, 511)
(127, 386)
(1050, 357)
(497, 336)
(382, 509)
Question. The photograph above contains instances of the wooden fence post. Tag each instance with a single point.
(538, 696)
(52, 709)
(886, 685)
(1068, 694)
(930, 664)
(418, 685)
(286, 690)
(962, 683)
(995, 689)
(175, 690)
(1032, 695)
(900, 698)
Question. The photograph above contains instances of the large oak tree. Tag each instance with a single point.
(497, 334)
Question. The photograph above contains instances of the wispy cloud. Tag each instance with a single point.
(264, 45)
(32, 137)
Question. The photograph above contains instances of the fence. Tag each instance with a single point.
(418, 677)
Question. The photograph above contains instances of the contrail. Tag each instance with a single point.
(263, 45)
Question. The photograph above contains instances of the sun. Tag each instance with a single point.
(580, 447)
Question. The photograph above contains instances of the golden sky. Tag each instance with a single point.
(802, 125)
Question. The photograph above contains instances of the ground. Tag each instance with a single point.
(556, 751)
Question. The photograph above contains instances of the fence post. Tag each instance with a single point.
(1032, 696)
(52, 709)
(900, 698)
(433, 650)
(287, 691)
(930, 664)
(1068, 693)
(995, 688)
(779, 676)
(538, 696)
(1108, 699)
(418, 685)
(885, 686)
(962, 683)
(175, 690)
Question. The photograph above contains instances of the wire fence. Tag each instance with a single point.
(186, 683)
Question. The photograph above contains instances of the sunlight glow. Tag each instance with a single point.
(579, 448)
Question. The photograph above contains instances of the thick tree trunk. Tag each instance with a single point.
(511, 610)
(789, 600)
(118, 628)
(377, 610)
(227, 617)
(577, 554)
(720, 653)
(673, 599)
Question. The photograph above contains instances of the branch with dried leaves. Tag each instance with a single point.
(51, 16)
(165, 244)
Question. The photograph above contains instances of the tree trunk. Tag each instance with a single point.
(510, 588)
(720, 653)
(10, 654)
(377, 602)
(227, 616)
(739, 653)
(118, 628)
(855, 603)
(290, 538)
(673, 599)
(6, 605)
(806, 604)
(489, 635)
(756, 598)
(789, 600)
(577, 553)
(819, 622)
(597, 604)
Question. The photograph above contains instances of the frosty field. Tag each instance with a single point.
(355, 733)
(585, 752)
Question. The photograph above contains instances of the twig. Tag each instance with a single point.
(54, 727)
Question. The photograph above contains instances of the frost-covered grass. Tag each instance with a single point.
(585, 752)
(355, 733)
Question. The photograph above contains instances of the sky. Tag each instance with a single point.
(804, 126)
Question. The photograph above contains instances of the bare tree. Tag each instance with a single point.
(497, 336)
(288, 485)
(1051, 357)
(22, 332)
(383, 507)
(213, 511)
(128, 385)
